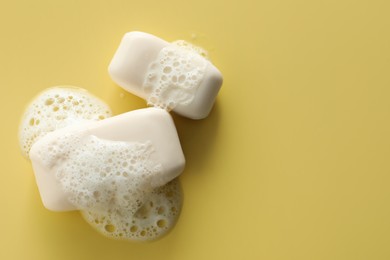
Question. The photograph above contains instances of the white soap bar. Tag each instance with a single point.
(150, 127)
(172, 76)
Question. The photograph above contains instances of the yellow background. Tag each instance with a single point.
(292, 163)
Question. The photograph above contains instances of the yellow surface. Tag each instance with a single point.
(293, 162)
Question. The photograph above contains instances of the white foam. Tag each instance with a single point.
(174, 77)
(192, 48)
(101, 175)
(90, 167)
(156, 216)
(56, 108)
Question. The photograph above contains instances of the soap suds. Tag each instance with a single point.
(191, 48)
(101, 175)
(174, 77)
(156, 216)
(56, 108)
(108, 181)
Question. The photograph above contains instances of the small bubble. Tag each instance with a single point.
(49, 102)
(167, 69)
(109, 228)
(182, 78)
(161, 223)
(161, 210)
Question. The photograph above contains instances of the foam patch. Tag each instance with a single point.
(174, 77)
(101, 175)
(192, 48)
(156, 216)
(56, 108)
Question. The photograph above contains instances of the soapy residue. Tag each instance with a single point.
(101, 175)
(110, 182)
(174, 77)
(157, 216)
(56, 108)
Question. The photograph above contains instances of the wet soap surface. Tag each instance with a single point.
(308, 179)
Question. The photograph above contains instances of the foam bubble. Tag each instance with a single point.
(174, 77)
(56, 108)
(156, 216)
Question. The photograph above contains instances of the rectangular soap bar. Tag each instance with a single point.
(151, 125)
(166, 75)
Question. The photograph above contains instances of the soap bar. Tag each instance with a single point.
(89, 157)
(173, 76)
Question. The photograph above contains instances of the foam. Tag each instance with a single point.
(56, 108)
(99, 174)
(156, 216)
(87, 166)
(174, 77)
(192, 48)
